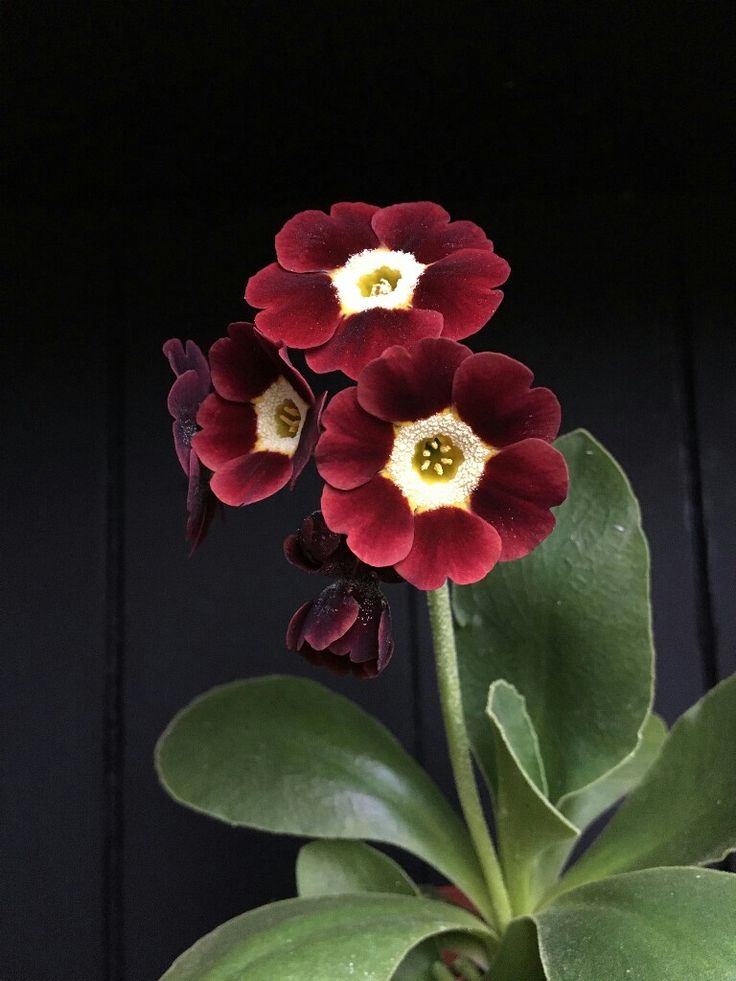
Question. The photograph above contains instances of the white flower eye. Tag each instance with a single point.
(437, 462)
(280, 414)
(377, 278)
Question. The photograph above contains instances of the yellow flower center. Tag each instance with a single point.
(287, 419)
(437, 459)
(437, 462)
(380, 282)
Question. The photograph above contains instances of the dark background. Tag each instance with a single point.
(154, 149)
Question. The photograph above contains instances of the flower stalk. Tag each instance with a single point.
(448, 681)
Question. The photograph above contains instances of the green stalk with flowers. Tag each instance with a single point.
(440, 464)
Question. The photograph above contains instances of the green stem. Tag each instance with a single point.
(448, 680)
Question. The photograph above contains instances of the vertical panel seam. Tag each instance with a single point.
(113, 749)
(695, 498)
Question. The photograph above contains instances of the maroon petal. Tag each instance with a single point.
(518, 487)
(385, 640)
(461, 288)
(183, 402)
(185, 395)
(403, 385)
(251, 478)
(296, 626)
(308, 438)
(449, 543)
(290, 373)
(301, 309)
(314, 546)
(413, 227)
(190, 358)
(330, 617)
(369, 638)
(364, 336)
(424, 229)
(492, 394)
(375, 517)
(312, 240)
(242, 366)
(202, 505)
(228, 431)
(354, 445)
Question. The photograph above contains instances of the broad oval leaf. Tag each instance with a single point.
(684, 810)
(584, 806)
(364, 936)
(288, 755)
(676, 924)
(333, 868)
(569, 626)
(529, 827)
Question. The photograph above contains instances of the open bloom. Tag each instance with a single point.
(438, 462)
(349, 284)
(348, 627)
(190, 389)
(260, 425)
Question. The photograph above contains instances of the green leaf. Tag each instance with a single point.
(569, 626)
(288, 755)
(518, 956)
(528, 825)
(364, 936)
(583, 806)
(684, 810)
(674, 924)
(417, 965)
(333, 868)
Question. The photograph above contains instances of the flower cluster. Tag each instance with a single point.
(436, 463)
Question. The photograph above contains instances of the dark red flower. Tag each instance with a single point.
(260, 425)
(348, 627)
(438, 462)
(349, 284)
(190, 389)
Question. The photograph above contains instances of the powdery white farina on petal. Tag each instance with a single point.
(437, 461)
(280, 415)
(377, 278)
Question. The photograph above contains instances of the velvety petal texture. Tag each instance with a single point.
(300, 309)
(355, 444)
(313, 241)
(450, 543)
(251, 478)
(438, 462)
(239, 438)
(376, 518)
(460, 287)
(410, 384)
(410, 273)
(361, 337)
(517, 489)
(190, 389)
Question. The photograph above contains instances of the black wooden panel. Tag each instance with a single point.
(710, 318)
(53, 630)
(590, 307)
(192, 623)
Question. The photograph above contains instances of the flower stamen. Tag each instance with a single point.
(437, 462)
(280, 414)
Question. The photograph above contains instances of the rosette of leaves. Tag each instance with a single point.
(556, 658)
